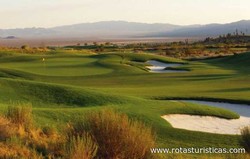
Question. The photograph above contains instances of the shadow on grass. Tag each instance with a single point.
(239, 62)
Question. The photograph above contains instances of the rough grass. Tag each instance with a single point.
(104, 134)
(116, 135)
(20, 115)
(81, 147)
(6, 129)
(101, 134)
(13, 151)
(23, 140)
(245, 133)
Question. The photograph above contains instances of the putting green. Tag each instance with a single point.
(57, 66)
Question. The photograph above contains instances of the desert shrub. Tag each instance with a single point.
(25, 47)
(116, 135)
(47, 145)
(245, 133)
(20, 115)
(103, 134)
(6, 129)
(16, 128)
(81, 147)
(49, 131)
(12, 151)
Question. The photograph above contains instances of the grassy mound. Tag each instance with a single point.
(239, 62)
(143, 57)
(238, 59)
(36, 93)
(55, 65)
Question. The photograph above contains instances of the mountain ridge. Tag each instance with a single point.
(128, 29)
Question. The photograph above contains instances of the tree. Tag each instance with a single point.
(236, 32)
(229, 35)
(25, 47)
(107, 43)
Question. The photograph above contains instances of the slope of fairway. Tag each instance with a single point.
(143, 57)
(51, 94)
(239, 62)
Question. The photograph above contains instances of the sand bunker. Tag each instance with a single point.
(208, 123)
(160, 67)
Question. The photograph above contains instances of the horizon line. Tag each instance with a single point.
(37, 27)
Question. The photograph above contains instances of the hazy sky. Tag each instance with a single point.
(47, 13)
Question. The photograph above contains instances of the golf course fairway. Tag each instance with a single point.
(61, 86)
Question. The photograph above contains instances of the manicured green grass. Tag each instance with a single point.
(67, 85)
(55, 65)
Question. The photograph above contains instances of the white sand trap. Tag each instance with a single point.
(159, 67)
(208, 123)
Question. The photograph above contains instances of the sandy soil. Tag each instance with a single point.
(208, 123)
(64, 41)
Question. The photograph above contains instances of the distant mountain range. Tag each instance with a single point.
(207, 30)
(123, 29)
